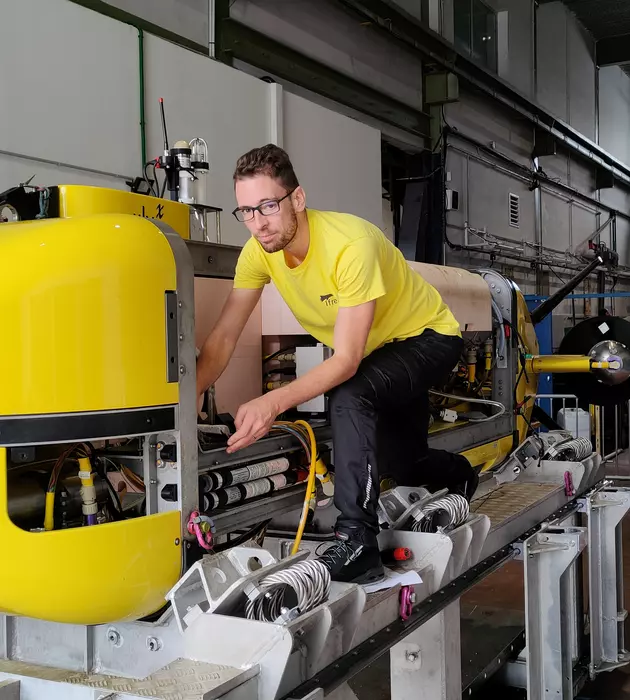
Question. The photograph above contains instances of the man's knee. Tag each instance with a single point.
(349, 396)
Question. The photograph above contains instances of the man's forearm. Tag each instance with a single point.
(211, 363)
(317, 381)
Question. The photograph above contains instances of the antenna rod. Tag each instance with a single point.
(164, 126)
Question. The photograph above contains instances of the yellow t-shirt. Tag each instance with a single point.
(349, 262)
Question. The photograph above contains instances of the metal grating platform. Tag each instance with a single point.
(180, 680)
(510, 500)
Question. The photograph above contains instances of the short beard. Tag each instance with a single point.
(284, 238)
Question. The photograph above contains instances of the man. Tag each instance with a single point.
(393, 338)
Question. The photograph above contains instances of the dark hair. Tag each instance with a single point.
(268, 160)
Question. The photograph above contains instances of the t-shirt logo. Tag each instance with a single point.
(328, 299)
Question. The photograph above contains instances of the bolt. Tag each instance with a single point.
(153, 482)
(180, 304)
(210, 259)
(113, 637)
(152, 445)
(412, 656)
(181, 336)
(153, 644)
(177, 541)
(182, 370)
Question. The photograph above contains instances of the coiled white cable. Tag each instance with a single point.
(310, 580)
(574, 450)
(444, 513)
(467, 399)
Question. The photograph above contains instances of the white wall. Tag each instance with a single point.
(202, 97)
(67, 95)
(518, 70)
(566, 73)
(87, 117)
(614, 112)
(337, 159)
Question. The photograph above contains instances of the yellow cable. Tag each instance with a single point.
(310, 484)
(49, 518)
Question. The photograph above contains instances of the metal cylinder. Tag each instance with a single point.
(186, 187)
(558, 363)
(27, 497)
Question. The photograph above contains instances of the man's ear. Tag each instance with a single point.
(299, 199)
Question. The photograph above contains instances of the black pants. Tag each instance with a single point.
(380, 420)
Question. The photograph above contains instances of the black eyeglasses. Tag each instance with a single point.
(271, 206)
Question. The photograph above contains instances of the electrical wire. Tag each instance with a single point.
(252, 534)
(499, 316)
(276, 353)
(82, 449)
(310, 484)
(465, 399)
(128, 476)
(117, 512)
(150, 182)
(309, 580)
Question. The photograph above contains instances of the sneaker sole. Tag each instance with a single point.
(369, 577)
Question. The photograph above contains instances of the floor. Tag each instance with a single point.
(501, 596)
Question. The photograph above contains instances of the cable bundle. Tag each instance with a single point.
(309, 580)
(572, 451)
(444, 513)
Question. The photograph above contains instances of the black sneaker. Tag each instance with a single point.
(353, 560)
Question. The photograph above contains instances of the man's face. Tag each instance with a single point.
(274, 231)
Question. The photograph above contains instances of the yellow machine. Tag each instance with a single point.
(100, 460)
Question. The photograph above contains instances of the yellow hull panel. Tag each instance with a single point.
(82, 200)
(88, 575)
(82, 302)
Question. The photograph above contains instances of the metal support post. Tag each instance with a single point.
(426, 664)
(605, 509)
(549, 596)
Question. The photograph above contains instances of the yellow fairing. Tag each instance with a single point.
(487, 456)
(528, 382)
(83, 311)
(87, 575)
(80, 200)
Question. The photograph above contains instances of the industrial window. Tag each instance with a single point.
(514, 210)
(476, 31)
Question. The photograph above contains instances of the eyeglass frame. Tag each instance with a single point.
(258, 208)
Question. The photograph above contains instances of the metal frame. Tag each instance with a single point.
(184, 472)
(547, 557)
(605, 510)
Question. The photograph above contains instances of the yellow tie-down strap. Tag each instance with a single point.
(88, 575)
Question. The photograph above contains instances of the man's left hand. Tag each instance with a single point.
(253, 421)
